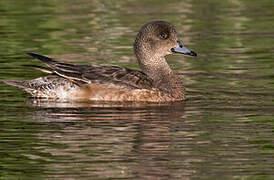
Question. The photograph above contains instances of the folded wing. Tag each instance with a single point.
(83, 74)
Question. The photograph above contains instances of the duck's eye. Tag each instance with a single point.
(163, 36)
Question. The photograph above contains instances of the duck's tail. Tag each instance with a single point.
(44, 87)
(50, 86)
(42, 58)
(24, 84)
(16, 83)
(20, 84)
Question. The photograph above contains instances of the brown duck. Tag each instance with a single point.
(156, 82)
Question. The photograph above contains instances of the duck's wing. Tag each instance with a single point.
(109, 75)
(115, 75)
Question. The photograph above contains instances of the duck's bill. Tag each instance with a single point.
(180, 48)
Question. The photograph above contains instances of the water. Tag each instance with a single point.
(224, 130)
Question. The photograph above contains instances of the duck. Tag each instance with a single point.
(154, 82)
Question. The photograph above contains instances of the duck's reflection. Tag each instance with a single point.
(110, 139)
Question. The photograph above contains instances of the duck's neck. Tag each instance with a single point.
(155, 68)
(163, 77)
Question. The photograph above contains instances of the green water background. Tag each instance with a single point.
(224, 130)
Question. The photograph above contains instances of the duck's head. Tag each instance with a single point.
(157, 39)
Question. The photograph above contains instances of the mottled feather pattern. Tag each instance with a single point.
(52, 87)
(119, 76)
(124, 77)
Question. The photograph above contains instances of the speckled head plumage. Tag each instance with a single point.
(159, 38)
(155, 38)
(154, 41)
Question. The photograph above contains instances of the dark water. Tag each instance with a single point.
(225, 129)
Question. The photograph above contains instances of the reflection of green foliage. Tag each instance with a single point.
(229, 115)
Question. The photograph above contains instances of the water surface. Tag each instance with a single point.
(224, 130)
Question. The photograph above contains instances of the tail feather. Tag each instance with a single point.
(16, 83)
(41, 68)
(45, 59)
(44, 87)
(55, 65)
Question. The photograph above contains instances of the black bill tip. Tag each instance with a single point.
(192, 53)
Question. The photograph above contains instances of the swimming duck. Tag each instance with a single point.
(156, 82)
